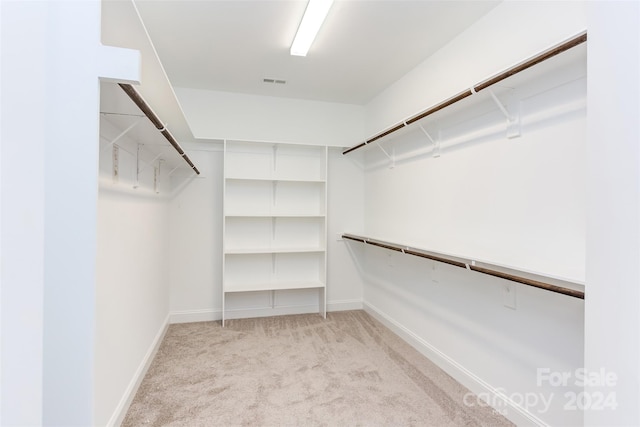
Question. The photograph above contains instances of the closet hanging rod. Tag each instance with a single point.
(543, 56)
(146, 109)
(468, 265)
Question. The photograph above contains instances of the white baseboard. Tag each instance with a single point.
(208, 315)
(513, 412)
(123, 406)
(345, 305)
(190, 316)
(246, 313)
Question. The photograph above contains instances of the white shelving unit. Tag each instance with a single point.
(275, 225)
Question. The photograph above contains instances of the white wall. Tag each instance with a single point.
(612, 342)
(196, 246)
(345, 212)
(519, 202)
(458, 320)
(491, 198)
(196, 241)
(224, 115)
(22, 269)
(132, 270)
(49, 144)
(132, 294)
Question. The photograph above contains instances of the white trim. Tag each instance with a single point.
(209, 315)
(190, 316)
(123, 406)
(345, 305)
(269, 311)
(475, 384)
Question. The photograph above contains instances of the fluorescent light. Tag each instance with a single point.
(313, 18)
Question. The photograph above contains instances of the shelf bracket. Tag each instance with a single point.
(392, 161)
(115, 163)
(157, 171)
(513, 122)
(137, 181)
(435, 152)
(123, 133)
(141, 166)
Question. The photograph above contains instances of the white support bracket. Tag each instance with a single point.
(390, 157)
(513, 121)
(436, 143)
(115, 163)
(136, 183)
(123, 133)
(157, 173)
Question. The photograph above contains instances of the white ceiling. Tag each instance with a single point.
(362, 48)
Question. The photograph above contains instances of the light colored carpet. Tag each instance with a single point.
(302, 370)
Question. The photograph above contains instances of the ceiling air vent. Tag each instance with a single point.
(274, 81)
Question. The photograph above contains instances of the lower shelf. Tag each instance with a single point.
(529, 278)
(253, 290)
(270, 286)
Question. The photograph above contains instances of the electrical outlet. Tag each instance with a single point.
(509, 295)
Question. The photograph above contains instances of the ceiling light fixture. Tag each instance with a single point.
(313, 18)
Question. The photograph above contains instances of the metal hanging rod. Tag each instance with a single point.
(146, 109)
(543, 56)
(470, 265)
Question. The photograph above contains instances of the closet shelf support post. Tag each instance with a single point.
(513, 122)
(390, 157)
(115, 163)
(137, 181)
(436, 142)
(157, 174)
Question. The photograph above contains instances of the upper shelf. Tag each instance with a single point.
(470, 93)
(275, 162)
(123, 27)
(141, 124)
